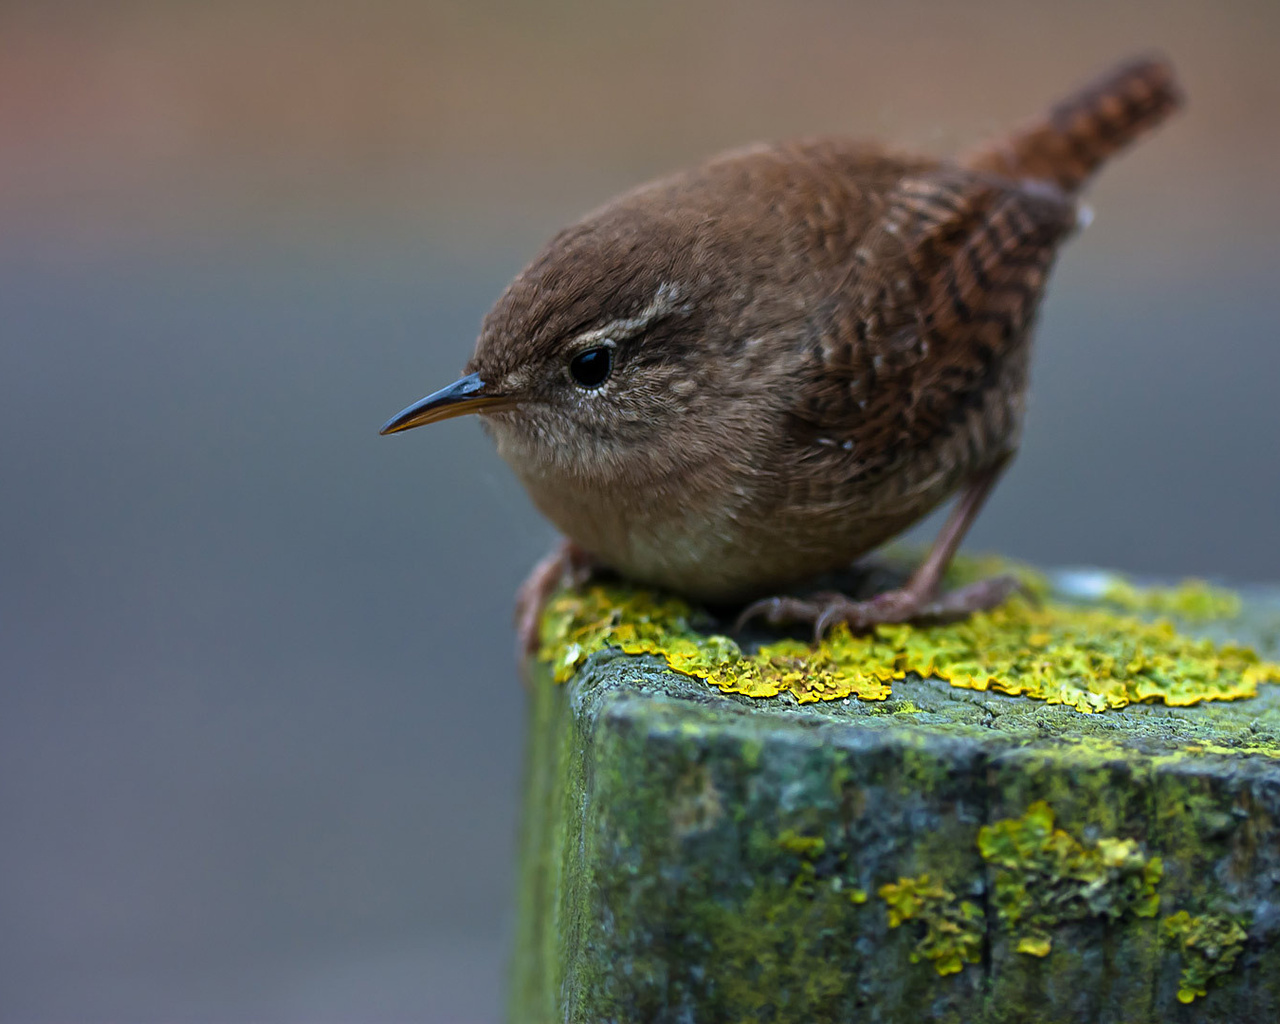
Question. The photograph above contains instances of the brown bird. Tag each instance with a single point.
(731, 379)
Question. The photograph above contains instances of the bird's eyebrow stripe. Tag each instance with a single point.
(665, 302)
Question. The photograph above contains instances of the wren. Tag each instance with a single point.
(734, 378)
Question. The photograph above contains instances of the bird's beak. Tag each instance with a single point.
(470, 394)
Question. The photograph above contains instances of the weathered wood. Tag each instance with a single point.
(691, 855)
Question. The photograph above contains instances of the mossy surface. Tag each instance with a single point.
(1088, 658)
(697, 854)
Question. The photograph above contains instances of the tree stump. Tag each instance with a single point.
(941, 854)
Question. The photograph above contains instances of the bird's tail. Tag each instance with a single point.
(1080, 133)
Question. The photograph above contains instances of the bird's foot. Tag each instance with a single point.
(825, 610)
(567, 565)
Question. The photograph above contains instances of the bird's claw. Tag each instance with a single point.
(567, 565)
(823, 611)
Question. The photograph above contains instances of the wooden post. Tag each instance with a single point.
(944, 854)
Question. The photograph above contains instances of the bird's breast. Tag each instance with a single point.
(678, 539)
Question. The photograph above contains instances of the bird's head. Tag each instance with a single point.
(604, 360)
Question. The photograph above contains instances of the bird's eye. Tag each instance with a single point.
(591, 368)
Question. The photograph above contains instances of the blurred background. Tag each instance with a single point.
(260, 733)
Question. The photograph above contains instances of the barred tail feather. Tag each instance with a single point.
(1080, 133)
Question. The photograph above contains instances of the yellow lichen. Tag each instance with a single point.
(953, 928)
(1043, 876)
(1086, 658)
(1193, 600)
(1039, 945)
(581, 622)
(1209, 945)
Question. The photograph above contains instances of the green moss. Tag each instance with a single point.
(775, 954)
(807, 847)
(953, 929)
(1043, 877)
(1090, 659)
(773, 950)
(1209, 945)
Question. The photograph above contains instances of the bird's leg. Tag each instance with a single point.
(566, 565)
(919, 598)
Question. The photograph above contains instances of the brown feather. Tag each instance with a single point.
(1084, 130)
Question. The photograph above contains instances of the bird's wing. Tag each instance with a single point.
(941, 289)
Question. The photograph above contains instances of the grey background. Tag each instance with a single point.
(260, 734)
